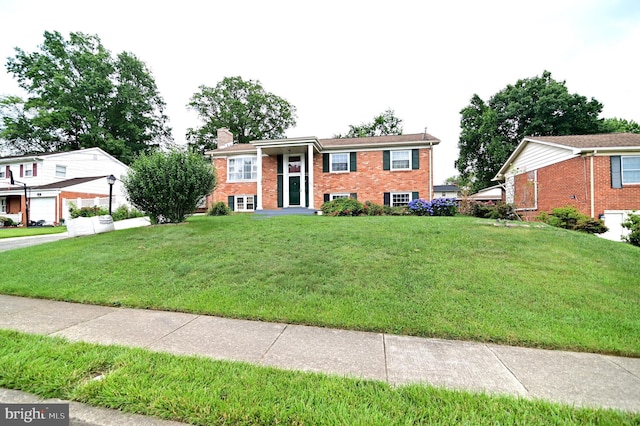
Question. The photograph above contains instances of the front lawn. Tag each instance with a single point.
(31, 231)
(448, 277)
(205, 392)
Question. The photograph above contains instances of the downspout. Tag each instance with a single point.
(430, 170)
(592, 186)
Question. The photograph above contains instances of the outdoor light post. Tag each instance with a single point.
(111, 179)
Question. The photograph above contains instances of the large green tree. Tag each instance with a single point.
(619, 125)
(382, 124)
(538, 106)
(80, 96)
(243, 107)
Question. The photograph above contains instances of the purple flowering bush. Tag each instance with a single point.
(435, 207)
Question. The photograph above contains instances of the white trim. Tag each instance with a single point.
(259, 180)
(391, 203)
(310, 175)
(331, 154)
(245, 198)
(254, 159)
(339, 195)
(391, 152)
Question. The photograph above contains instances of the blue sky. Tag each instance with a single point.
(343, 62)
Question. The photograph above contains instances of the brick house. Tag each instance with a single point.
(305, 172)
(597, 174)
(45, 183)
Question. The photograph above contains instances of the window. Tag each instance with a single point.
(3, 174)
(244, 203)
(400, 160)
(630, 170)
(334, 196)
(3, 205)
(340, 162)
(399, 199)
(28, 170)
(61, 171)
(242, 169)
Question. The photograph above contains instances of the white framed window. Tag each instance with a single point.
(241, 169)
(339, 162)
(28, 169)
(61, 171)
(630, 170)
(401, 160)
(399, 199)
(3, 174)
(244, 203)
(3, 205)
(341, 195)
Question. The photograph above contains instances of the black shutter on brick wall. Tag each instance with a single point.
(387, 198)
(325, 163)
(231, 202)
(280, 189)
(386, 160)
(354, 195)
(255, 201)
(616, 171)
(415, 195)
(353, 167)
(326, 198)
(279, 159)
(415, 159)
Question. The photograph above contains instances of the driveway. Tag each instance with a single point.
(18, 242)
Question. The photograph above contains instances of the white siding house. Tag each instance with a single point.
(45, 183)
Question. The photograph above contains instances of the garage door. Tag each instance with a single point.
(43, 209)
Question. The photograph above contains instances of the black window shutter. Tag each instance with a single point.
(231, 203)
(353, 195)
(280, 189)
(616, 171)
(326, 197)
(386, 160)
(255, 201)
(352, 162)
(387, 198)
(325, 163)
(280, 161)
(415, 159)
(415, 195)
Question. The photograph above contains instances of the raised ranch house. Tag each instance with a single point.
(305, 172)
(45, 184)
(597, 174)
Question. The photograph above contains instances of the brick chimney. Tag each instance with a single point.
(225, 138)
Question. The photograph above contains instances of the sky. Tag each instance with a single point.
(344, 62)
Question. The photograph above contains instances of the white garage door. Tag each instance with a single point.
(43, 209)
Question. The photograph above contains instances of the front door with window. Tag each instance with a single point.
(294, 190)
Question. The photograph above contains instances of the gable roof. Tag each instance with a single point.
(37, 155)
(577, 144)
(336, 143)
(445, 188)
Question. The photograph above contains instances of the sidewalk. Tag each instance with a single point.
(579, 379)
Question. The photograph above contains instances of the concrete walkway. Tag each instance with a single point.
(579, 379)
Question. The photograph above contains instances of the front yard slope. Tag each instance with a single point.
(459, 277)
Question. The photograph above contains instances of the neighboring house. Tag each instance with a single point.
(44, 184)
(597, 174)
(306, 172)
(494, 194)
(446, 191)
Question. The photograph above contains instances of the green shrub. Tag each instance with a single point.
(488, 210)
(123, 212)
(86, 211)
(570, 218)
(373, 209)
(169, 185)
(6, 221)
(218, 209)
(343, 207)
(394, 211)
(633, 224)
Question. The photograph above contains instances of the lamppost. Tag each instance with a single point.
(111, 179)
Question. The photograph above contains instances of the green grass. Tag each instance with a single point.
(27, 232)
(205, 392)
(459, 277)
